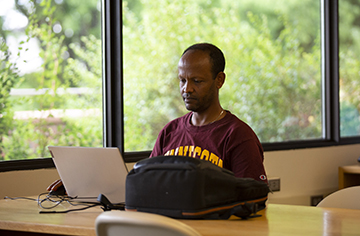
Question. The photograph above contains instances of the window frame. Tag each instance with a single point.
(113, 109)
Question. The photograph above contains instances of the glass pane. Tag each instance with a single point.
(349, 33)
(50, 76)
(272, 51)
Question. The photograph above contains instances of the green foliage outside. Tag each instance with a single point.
(273, 70)
(29, 138)
(349, 28)
(273, 52)
(8, 79)
(273, 83)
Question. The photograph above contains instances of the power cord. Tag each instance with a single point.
(107, 205)
(18, 198)
(56, 200)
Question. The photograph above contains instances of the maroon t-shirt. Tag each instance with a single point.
(229, 143)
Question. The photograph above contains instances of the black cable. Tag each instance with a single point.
(56, 200)
(18, 198)
(107, 205)
(50, 199)
(66, 211)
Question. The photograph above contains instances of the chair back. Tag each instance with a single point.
(348, 198)
(127, 223)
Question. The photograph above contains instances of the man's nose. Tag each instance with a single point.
(188, 87)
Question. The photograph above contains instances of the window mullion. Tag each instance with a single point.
(330, 54)
(112, 75)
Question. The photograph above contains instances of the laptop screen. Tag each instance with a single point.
(87, 172)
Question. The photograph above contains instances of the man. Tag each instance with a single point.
(209, 132)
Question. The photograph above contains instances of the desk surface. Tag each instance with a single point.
(23, 215)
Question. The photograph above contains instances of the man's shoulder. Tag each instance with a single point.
(235, 124)
(232, 119)
(177, 122)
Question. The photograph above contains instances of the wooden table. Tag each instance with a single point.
(349, 176)
(19, 217)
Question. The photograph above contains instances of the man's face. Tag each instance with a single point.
(197, 83)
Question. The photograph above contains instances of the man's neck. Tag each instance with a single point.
(205, 118)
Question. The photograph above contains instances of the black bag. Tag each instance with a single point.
(185, 187)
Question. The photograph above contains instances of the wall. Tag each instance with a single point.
(303, 173)
(308, 172)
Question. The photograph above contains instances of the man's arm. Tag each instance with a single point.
(158, 147)
(246, 160)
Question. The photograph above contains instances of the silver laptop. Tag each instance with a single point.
(87, 172)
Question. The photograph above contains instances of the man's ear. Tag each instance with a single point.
(220, 79)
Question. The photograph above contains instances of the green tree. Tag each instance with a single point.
(29, 138)
(272, 83)
(273, 69)
(9, 78)
(349, 32)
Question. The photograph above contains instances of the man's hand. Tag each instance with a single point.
(56, 188)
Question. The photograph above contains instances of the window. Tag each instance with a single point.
(349, 33)
(273, 55)
(282, 71)
(51, 91)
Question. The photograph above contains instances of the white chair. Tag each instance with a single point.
(127, 223)
(344, 198)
